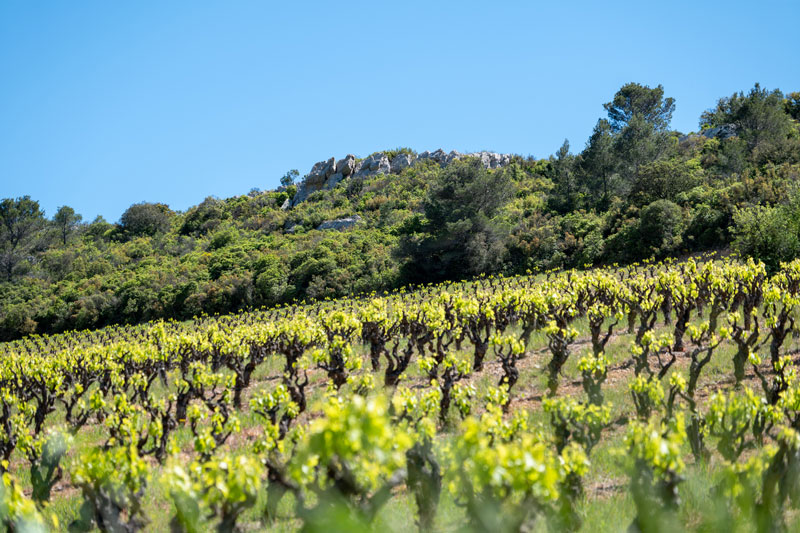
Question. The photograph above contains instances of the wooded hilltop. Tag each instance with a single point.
(638, 189)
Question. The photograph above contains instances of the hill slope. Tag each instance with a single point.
(638, 189)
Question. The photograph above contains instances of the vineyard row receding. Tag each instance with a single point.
(656, 397)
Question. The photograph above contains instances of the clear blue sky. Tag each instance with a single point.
(104, 104)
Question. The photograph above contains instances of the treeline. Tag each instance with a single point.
(638, 189)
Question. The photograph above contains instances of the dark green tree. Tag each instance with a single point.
(99, 228)
(563, 174)
(660, 227)
(289, 178)
(760, 118)
(145, 219)
(639, 117)
(462, 236)
(793, 105)
(21, 220)
(598, 164)
(636, 100)
(665, 179)
(65, 221)
(768, 233)
(203, 218)
(271, 279)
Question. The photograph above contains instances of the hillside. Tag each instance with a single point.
(638, 189)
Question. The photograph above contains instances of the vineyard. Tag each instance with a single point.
(658, 397)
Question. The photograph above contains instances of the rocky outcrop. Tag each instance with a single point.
(317, 179)
(346, 166)
(721, 132)
(327, 174)
(340, 223)
(375, 164)
(401, 162)
(439, 156)
(493, 160)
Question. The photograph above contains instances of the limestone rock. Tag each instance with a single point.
(377, 163)
(334, 180)
(400, 162)
(323, 175)
(340, 223)
(492, 159)
(721, 132)
(314, 181)
(439, 156)
(327, 174)
(330, 167)
(317, 172)
(345, 166)
(488, 159)
(303, 191)
(452, 156)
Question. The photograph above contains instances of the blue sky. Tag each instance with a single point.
(104, 104)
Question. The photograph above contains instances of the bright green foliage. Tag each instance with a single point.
(655, 465)
(462, 397)
(224, 487)
(576, 422)
(159, 402)
(739, 419)
(504, 483)
(20, 513)
(112, 483)
(647, 395)
(594, 371)
(354, 452)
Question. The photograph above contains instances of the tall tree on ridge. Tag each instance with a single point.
(598, 163)
(20, 221)
(65, 221)
(639, 117)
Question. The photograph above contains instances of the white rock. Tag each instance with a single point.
(345, 166)
(377, 163)
(340, 223)
(400, 162)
